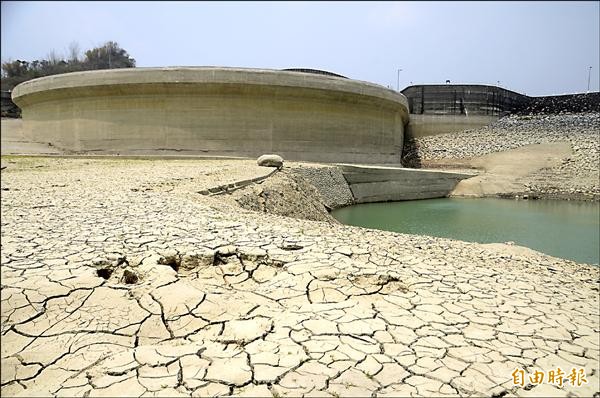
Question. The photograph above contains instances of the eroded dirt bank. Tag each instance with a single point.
(119, 279)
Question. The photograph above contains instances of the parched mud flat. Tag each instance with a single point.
(119, 279)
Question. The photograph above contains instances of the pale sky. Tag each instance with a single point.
(536, 48)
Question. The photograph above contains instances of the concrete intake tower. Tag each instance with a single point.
(215, 111)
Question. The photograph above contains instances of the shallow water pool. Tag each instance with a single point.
(566, 229)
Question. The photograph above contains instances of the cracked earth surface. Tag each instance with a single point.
(118, 279)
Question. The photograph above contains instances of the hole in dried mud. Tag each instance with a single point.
(104, 273)
(384, 279)
(130, 277)
(221, 258)
(233, 261)
(172, 261)
(291, 247)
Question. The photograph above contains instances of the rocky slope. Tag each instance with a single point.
(577, 176)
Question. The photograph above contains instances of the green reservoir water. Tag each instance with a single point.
(559, 228)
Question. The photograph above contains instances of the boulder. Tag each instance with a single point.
(270, 161)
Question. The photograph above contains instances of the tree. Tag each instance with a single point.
(14, 68)
(109, 56)
(74, 53)
(15, 72)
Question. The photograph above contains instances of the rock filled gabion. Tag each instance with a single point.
(331, 184)
(287, 194)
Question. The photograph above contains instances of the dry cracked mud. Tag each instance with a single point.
(118, 279)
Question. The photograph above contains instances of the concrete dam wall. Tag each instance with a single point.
(215, 111)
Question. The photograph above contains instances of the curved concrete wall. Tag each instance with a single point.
(215, 111)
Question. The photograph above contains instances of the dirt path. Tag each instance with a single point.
(502, 170)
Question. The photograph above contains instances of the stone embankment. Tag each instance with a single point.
(330, 183)
(577, 175)
(558, 104)
(120, 279)
(302, 191)
(284, 194)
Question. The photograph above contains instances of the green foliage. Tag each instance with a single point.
(108, 56)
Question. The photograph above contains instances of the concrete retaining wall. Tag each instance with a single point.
(215, 111)
(381, 184)
(424, 125)
(462, 99)
(440, 109)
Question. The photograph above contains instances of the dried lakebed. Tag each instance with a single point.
(118, 278)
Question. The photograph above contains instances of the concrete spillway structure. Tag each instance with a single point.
(376, 183)
(215, 111)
